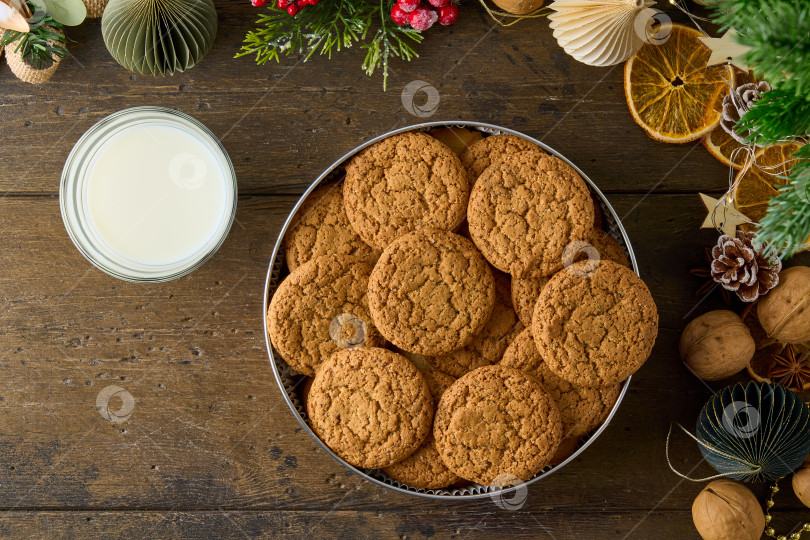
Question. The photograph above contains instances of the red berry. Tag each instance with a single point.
(399, 16)
(448, 14)
(408, 6)
(258, 3)
(292, 9)
(282, 4)
(439, 3)
(423, 18)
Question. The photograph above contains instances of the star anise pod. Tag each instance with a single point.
(791, 368)
(704, 272)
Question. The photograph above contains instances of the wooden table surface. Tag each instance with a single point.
(211, 449)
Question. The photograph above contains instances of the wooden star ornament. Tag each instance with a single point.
(726, 49)
(722, 214)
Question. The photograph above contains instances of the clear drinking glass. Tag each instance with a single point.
(76, 212)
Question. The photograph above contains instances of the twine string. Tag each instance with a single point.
(494, 14)
(754, 468)
(694, 18)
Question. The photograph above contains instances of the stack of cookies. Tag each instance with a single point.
(457, 309)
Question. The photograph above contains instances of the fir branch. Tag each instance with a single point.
(387, 42)
(328, 26)
(778, 33)
(786, 224)
(776, 116)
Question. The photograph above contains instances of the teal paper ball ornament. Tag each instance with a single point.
(758, 432)
(159, 37)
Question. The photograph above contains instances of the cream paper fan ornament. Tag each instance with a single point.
(601, 32)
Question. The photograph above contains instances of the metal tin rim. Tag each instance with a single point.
(78, 238)
(488, 492)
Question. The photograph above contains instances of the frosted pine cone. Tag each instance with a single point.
(736, 104)
(739, 265)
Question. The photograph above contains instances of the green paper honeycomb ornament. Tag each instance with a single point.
(159, 37)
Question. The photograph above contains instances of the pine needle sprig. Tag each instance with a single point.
(778, 34)
(787, 221)
(777, 116)
(328, 26)
(389, 41)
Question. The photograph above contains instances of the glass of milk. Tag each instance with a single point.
(148, 194)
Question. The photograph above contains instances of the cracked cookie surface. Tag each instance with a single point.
(496, 424)
(608, 396)
(526, 291)
(322, 303)
(525, 209)
(579, 405)
(371, 406)
(321, 227)
(607, 247)
(490, 342)
(598, 329)
(401, 184)
(481, 154)
(425, 468)
(437, 382)
(430, 292)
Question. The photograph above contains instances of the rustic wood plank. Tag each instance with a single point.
(210, 430)
(283, 124)
(485, 522)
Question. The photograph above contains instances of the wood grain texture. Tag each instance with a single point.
(487, 522)
(284, 123)
(211, 448)
(210, 429)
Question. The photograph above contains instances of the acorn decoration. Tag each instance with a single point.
(726, 510)
(758, 432)
(159, 37)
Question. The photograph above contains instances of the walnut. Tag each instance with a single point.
(716, 345)
(801, 483)
(785, 311)
(727, 510)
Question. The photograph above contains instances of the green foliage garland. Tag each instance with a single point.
(778, 32)
(332, 25)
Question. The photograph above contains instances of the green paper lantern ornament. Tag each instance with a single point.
(758, 432)
(159, 37)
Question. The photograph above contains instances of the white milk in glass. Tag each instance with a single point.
(156, 194)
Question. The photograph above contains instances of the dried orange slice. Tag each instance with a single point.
(670, 91)
(722, 145)
(755, 187)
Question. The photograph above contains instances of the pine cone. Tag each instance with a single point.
(736, 104)
(740, 266)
